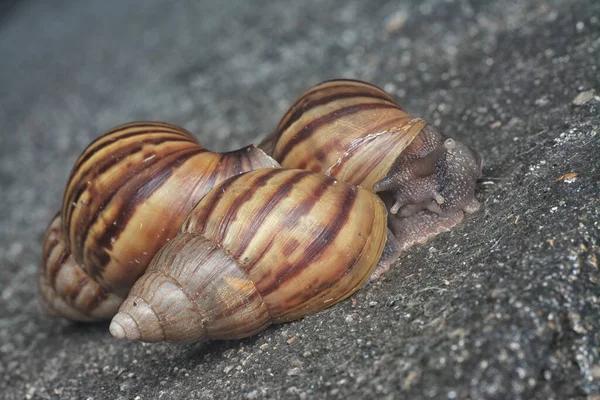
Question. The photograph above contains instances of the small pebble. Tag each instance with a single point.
(228, 368)
(583, 97)
(396, 21)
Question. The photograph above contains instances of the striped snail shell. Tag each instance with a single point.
(356, 132)
(267, 246)
(127, 195)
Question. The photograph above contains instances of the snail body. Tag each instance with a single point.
(356, 132)
(262, 247)
(127, 195)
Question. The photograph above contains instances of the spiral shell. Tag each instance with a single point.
(337, 126)
(356, 132)
(267, 246)
(127, 195)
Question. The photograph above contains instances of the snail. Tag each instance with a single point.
(226, 244)
(126, 196)
(356, 132)
(266, 246)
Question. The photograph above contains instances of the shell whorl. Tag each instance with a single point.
(277, 242)
(191, 290)
(347, 129)
(129, 192)
(64, 287)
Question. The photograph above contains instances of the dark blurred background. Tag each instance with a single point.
(506, 306)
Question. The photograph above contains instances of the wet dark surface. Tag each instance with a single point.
(507, 305)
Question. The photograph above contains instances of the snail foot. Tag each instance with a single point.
(419, 228)
(389, 255)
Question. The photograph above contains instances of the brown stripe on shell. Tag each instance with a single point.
(64, 287)
(51, 239)
(333, 85)
(48, 250)
(99, 297)
(208, 209)
(319, 290)
(104, 142)
(190, 225)
(296, 111)
(356, 82)
(128, 131)
(290, 247)
(235, 206)
(56, 267)
(87, 216)
(328, 86)
(268, 205)
(303, 208)
(76, 189)
(82, 229)
(328, 147)
(162, 126)
(320, 155)
(118, 139)
(318, 245)
(312, 126)
(248, 158)
(141, 190)
(95, 170)
(77, 289)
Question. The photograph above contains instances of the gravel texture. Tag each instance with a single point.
(506, 306)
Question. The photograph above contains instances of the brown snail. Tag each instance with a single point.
(127, 195)
(260, 247)
(266, 246)
(354, 131)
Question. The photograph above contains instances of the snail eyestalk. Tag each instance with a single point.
(429, 187)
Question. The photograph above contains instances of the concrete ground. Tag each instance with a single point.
(506, 306)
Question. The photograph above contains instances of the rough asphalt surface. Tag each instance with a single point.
(506, 306)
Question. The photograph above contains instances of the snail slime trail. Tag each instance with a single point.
(356, 132)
